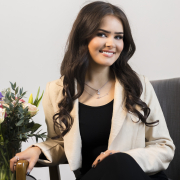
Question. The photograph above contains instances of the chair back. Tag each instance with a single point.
(168, 93)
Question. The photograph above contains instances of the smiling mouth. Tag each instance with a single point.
(106, 52)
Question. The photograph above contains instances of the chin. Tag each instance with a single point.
(106, 64)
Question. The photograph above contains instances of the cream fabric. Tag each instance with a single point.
(151, 147)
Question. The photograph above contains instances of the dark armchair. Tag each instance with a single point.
(168, 93)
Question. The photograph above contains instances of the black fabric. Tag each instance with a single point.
(119, 166)
(95, 125)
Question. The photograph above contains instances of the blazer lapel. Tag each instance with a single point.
(119, 112)
(72, 140)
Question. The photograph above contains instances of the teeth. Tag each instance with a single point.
(107, 52)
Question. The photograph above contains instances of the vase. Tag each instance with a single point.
(8, 151)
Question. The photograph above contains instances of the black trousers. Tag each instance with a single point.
(119, 166)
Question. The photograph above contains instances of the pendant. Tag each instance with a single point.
(102, 96)
(98, 92)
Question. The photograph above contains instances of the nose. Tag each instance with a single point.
(110, 42)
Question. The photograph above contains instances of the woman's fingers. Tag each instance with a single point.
(30, 154)
(103, 156)
(100, 158)
(12, 163)
(31, 165)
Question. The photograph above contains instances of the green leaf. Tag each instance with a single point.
(13, 96)
(30, 125)
(12, 86)
(24, 93)
(11, 106)
(16, 91)
(20, 122)
(20, 92)
(36, 139)
(39, 99)
(35, 127)
(25, 136)
(20, 136)
(39, 131)
(35, 101)
(42, 138)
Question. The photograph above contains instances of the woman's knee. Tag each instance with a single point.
(123, 159)
(120, 160)
(122, 155)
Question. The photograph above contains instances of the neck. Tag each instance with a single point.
(97, 77)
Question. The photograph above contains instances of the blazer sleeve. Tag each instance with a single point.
(159, 147)
(53, 150)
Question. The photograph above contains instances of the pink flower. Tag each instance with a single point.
(21, 100)
(31, 108)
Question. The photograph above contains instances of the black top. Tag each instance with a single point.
(95, 126)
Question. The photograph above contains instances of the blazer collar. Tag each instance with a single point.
(72, 140)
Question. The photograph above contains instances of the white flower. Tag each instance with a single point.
(6, 105)
(2, 114)
(31, 108)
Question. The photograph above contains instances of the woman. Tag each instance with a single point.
(102, 117)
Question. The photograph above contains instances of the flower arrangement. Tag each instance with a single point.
(16, 124)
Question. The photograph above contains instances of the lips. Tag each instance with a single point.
(101, 51)
(107, 53)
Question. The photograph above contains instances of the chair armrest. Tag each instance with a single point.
(21, 168)
(22, 165)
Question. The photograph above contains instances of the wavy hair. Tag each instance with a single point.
(76, 60)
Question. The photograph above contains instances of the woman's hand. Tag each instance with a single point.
(103, 156)
(30, 154)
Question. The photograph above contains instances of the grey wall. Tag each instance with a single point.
(33, 35)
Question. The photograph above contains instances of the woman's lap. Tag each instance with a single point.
(119, 166)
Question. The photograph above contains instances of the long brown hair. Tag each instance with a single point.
(76, 60)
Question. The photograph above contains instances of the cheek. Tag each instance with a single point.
(120, 46)
(94, 44)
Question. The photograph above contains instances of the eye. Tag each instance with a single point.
(103, 35)
(119, 37)
(100, 34)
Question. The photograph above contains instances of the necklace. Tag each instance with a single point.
(98, 92)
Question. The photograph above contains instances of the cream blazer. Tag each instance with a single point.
(151, 147)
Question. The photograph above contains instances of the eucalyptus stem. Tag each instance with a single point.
(4, 158)
(7, 152)
(1, 136)
(8, 159)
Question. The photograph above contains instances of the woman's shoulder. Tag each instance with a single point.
(146, 84)
(142, 78)
(53, 87)
(53, 90)
(56, 83)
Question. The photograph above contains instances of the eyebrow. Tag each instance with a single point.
(110, 32)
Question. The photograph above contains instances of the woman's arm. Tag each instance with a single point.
(159, 147)
(53, 150)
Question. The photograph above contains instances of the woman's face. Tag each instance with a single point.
(106, 46)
